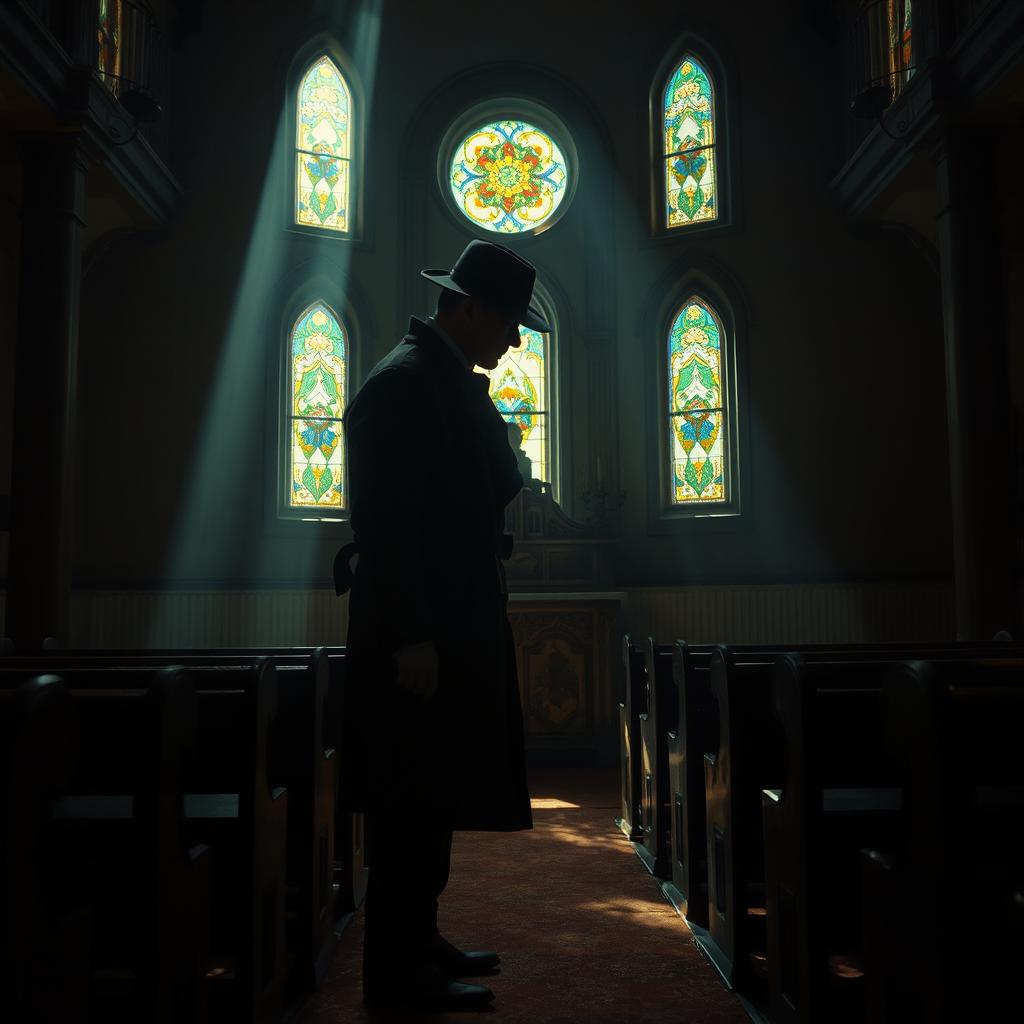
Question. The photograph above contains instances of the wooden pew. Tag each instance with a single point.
(350, 872)
(45, 969)
(660, 715)
(302, 762)
(695, 734)
(944, 945)
(748, 758)
(632, 705)
(123, 825)
(232, 806)
(840, 791)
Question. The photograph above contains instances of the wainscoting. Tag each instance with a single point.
(794, 613)
(772, 613)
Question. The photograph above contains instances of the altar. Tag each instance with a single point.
(568, 626)
(568, 648)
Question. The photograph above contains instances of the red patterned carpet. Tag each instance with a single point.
(584, 933)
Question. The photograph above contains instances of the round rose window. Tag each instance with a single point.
(508, 176)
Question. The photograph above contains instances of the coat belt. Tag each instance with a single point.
(343, 576)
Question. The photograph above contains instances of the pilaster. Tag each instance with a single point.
(46, 356)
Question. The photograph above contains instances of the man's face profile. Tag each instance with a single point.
(490, 330)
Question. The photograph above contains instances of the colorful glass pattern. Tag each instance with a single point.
(323, 148)
(900, 20)
(108, 40)
(689, 146)
(697, 421)
(318, 403)
(519, 390)
(508, 176)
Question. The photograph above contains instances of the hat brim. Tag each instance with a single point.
(530, 318)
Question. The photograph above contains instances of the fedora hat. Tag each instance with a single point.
(497, 275)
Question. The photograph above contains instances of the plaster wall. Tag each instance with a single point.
(845, 456)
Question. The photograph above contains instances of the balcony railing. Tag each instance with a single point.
(119, 40)
(883, 50)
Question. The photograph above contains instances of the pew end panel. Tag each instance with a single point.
(747, 758)
(46, 970)
(233, 806)
(632, 705)
(841, 792)
(955, 727)
(655, 724)
(695, 735)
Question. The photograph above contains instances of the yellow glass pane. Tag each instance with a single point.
(322, 187)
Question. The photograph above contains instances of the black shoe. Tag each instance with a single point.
(425, 988)
(453, 962)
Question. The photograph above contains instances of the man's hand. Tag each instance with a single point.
(417, 669)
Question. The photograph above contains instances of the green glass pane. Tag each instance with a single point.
(690, 187)
(519, 389)
(697, 421)
(322, 125)
(323, 142)
(317, 464)
(318, 395)
(508, 176)
(322, 191)
(689, 146)
(689, 108)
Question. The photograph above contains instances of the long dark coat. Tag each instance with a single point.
(430, 474)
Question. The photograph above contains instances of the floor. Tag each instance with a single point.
(584, 932)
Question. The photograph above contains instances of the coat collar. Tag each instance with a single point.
(423, 334)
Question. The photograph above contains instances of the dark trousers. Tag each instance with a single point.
(409, 865)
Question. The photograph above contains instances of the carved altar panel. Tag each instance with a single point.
(552, 551)
(567, 651)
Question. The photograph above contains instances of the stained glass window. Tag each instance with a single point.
(508, 176)
(323, 148)
(900, 21)
(108, 39)
(519, 390)
(689, 146)
(318, 382)
(697, 422)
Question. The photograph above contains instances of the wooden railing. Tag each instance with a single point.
(120, 40)
(883, 48)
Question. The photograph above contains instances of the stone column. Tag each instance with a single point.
(46, 355)
(977, 392)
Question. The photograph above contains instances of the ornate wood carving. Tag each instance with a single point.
(551, 550)
(565, 649)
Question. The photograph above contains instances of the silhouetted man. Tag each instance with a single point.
(429, 645)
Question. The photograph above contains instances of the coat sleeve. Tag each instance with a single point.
(389, 462)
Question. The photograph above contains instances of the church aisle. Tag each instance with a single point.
(583, 931)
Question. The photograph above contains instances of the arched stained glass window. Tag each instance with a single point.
(508, 176)
(688, 145)
(323, 143)
(108, 40)
(900, 22)
(698, 418)
(520, 391)
(318, 358)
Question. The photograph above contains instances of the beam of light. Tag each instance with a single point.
(218, 505)
(220, 532)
